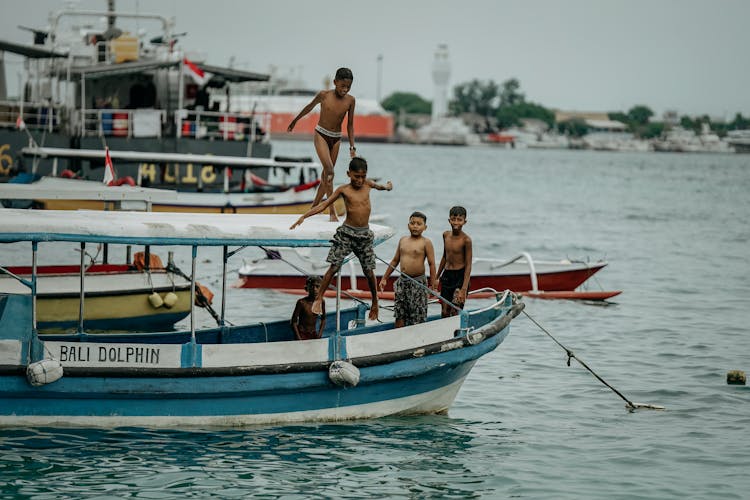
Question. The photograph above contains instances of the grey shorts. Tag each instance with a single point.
(411, 299)
(356, 240)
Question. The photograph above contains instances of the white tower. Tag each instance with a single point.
(441, 73)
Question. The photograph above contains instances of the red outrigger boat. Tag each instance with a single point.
(286, 270)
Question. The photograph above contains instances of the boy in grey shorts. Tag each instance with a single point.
(354, 236)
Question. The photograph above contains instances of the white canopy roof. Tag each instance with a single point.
(166, 228)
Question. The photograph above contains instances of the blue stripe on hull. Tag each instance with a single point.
(277, 395)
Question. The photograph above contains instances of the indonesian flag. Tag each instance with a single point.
(109, 170)
(193, 71)
(20, 124)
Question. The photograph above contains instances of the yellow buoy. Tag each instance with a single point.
(736, 377)
(170, 299)
(155, 300)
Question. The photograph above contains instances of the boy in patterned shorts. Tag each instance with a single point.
(354, 235)
(411, 287)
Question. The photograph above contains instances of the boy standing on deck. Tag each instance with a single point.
(354, 235)
(334, 105)
(455, 266)
(303, 319)
(411, 286)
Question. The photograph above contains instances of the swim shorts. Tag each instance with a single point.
(356, 240)
(411, 299)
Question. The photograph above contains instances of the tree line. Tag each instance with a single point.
(498, 106)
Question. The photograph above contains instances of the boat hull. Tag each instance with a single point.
(561, 277)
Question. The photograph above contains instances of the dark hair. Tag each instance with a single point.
(457, 211)
(358, 164)
(419, 214)
(344, 74)
(311, 280)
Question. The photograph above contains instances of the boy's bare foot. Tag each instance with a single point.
(373, 312)
(317, 306)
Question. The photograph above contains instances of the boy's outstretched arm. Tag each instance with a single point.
(322, 326)
(316, 100)
(374, 185)
(318, 208)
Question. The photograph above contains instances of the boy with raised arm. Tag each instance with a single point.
(455, 266)
(334, 105)
(411, 287)
(354, 235)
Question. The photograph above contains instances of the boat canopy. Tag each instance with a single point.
(30, 51)
(107, 70)
(166, 228)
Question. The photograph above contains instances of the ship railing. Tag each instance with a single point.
(219, 125)
(124, 122)
(40, 116)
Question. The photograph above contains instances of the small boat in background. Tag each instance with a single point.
(118, 297)
(285, 270)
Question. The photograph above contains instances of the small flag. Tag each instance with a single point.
(193, 71)
(109, 170)
(20, 124)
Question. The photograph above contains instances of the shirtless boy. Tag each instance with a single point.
(303, 319)
(334, 105)
(455, 266)
(354, 235)
(411, 286)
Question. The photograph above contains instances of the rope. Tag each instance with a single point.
(439, 297)
(629, 404)
(200, 298)
(331, 286)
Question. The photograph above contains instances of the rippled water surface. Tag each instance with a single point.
(675, 231)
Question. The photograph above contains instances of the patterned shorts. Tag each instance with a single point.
(411, 299)
(356, 240)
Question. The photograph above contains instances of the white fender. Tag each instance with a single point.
(44, 372)
(343, 373)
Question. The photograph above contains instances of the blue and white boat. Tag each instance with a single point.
(226, 375)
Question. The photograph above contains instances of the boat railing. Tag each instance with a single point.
(41, 116)
(219, 125)
(523, 255)
(124, 122)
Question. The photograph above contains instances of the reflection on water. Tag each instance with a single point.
(431, 455)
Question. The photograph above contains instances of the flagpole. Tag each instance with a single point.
(181, 88)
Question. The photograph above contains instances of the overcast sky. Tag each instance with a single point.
(588, 55)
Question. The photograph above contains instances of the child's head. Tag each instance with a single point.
(417, 223)
(343, 74)
(312, 283)
(343, 81)
(357, 172)
(457, 211)
(457, 218)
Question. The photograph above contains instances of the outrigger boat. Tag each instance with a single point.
(228, 375)
(285, 270)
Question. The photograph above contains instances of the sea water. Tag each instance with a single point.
(674, 229)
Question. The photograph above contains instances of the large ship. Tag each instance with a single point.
(121, 80)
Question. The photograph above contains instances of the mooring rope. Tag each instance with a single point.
(439, 297)
(331, 286)
(629, 404)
